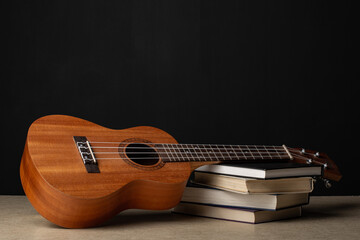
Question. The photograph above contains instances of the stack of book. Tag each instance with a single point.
(251, 193)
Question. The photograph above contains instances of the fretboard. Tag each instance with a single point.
(210, 152)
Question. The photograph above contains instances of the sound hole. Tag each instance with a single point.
(142, 154)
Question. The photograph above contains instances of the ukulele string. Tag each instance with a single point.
(183, 144)
(219, 153)
(183, 151)
(178, 151)
(210, 158)
(195, 159)
(306, 158)
(183, 155)
(301, 157)
(184, 147)
(198, 157)
(218, 158)
(212, 153)
(178, 146)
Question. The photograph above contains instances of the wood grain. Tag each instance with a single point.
(58, 186)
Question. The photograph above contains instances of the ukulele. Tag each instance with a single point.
(78, 174)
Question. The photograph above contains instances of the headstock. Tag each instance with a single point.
(331, 171)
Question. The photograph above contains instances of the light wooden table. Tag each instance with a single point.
(324, 218)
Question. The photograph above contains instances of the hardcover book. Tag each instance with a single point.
(218, 197)
(236, 214)
(264, 170)
(254, 186)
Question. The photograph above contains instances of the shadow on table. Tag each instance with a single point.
(134, 217)
(152, 217)
(142, 217)
(328, 210)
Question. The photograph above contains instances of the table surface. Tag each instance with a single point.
(335, 217)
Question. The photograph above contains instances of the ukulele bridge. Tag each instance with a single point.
(86, 154)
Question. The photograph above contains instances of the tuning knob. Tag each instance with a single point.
(309, 161)
(303, 151)
(327, 183)
(317, 154)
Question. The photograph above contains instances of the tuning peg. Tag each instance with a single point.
(309, 161)
(325, 165)
(327, 183)
(303, 151)
(317, 154)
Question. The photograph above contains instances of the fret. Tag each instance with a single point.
(172, 158)
(184, 153)
(258, 152)
(189, 153)
(193, 153)
(205, 152)
(217, 152)
(211, 152)
(268, 153)
(249, 151)
(242, 152)
(163, 154)
(226, 153)
(172, 151)
(281, 155)
(178, 149)
(275, 151)
(233, 152)
(199, 153)
(172, 146)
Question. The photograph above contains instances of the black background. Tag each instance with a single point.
(232, 72)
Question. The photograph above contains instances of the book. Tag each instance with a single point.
(264, 170)
(254, 186)
(211, 196)
(236, 214)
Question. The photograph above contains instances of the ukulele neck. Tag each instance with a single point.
(211, 152)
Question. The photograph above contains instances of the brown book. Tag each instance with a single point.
(254, 186)
(236, 214)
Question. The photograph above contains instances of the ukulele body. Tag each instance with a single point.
(78, 174)
(59, 187)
